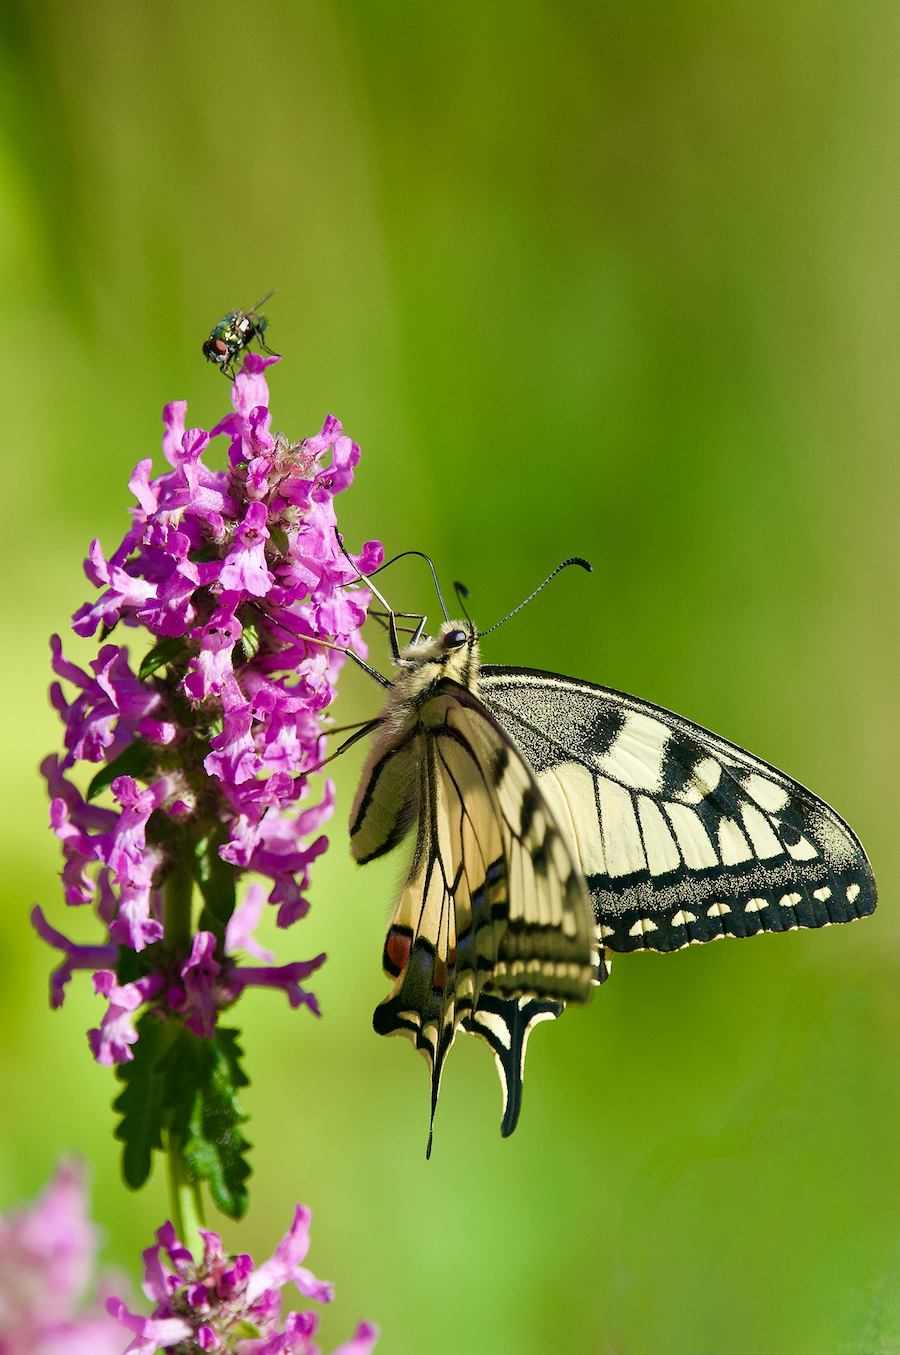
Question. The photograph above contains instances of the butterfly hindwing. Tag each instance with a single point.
(493, 909)
(680, 835)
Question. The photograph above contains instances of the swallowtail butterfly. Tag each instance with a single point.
(557, 822)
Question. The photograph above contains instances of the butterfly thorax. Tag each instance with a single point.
(453, 654)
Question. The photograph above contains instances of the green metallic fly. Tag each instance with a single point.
(234, 332)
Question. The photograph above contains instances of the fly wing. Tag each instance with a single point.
(493, 903)
(681, 836)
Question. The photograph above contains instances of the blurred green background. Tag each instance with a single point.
(581, 277)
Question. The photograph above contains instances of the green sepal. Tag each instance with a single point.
(247, 646)
(185, 1087)
(215, 1146)
(133, 761)
(160, 655)
(278, 537)
(203, 555)
(216, 880)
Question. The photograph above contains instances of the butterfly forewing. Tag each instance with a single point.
(493, 903)
(680, 835)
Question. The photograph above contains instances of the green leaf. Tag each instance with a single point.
(142, 1103)
(186, 1087)
(215, 1147)
(134, 761)
(160, 655)
(216, 879)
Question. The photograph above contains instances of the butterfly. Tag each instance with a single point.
(557, 822)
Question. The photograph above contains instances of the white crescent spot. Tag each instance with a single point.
(494, 1023)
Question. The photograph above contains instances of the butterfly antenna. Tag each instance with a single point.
(364, 577)
(462, 593)
(574, 560)
(428, 561)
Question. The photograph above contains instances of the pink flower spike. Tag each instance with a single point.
(199, 975)
(112, 1042)
(363, 1341)
(76, 957)
(151, 1333)
(286, 976)
(252, 606)
(173, 415)
(47, 1255)
(285, 1264)
(244, 570)
(179, 1255)
(243, 923)
(159, 1282)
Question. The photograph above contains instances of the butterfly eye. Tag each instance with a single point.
(454, 638)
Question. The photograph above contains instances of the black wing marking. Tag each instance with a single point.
(681, 836)
(504, 1025)
(493, 903)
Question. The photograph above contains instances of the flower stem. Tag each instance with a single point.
(177, 893)
(185, 1199)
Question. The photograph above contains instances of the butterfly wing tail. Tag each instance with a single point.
(504, 1024)
(433, 1039)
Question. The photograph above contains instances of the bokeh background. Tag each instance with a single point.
(581, 277)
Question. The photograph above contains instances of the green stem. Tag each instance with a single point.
(185, 1199)
(177, 894)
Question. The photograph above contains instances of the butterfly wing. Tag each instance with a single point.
(493, 904)
(681, 836)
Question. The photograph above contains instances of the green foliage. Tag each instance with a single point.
(157, 657)
(215, 879)
(134, 761)
(215, 1146)
(181, 1087)
(248, 645)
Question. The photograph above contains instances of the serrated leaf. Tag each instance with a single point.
(215, 1146)
(133, 761)
(160, 655)
(142, 1103)
(185, 1087)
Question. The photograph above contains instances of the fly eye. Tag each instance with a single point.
(219, 346)
(454, 639)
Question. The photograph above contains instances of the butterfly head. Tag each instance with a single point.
(453, 654)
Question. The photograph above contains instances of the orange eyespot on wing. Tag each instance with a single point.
(397, 946)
